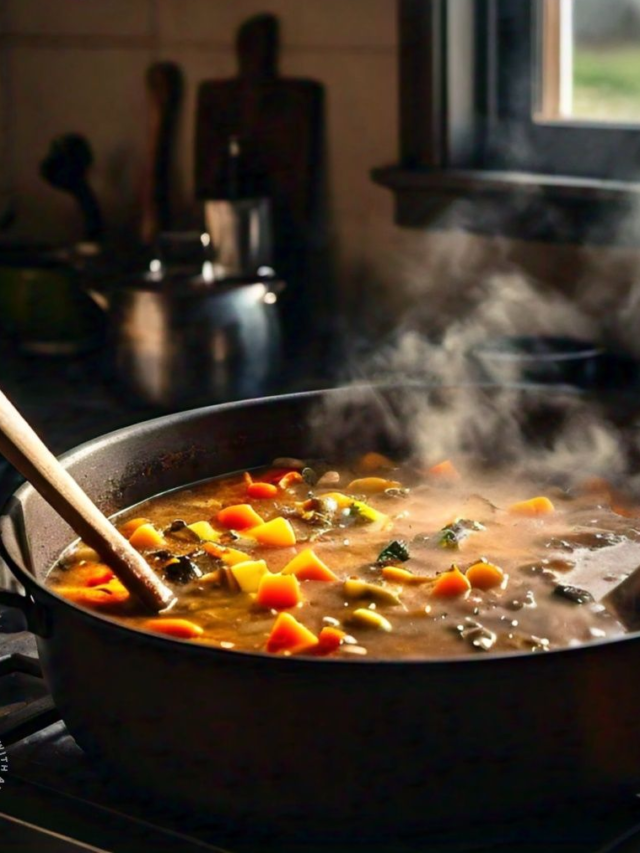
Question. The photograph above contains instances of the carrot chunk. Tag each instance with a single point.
(445, 471)
(329, 640)
(451, 584)
(132, 525)
(533, 507)
(374, 462)
(239, 517)
(484, 575)
(230, 556)
(307, 566)
(98, 575)
(262, 491)
(145, 537)
(278, 591)
(290, 479)
(277, 533)
(181, 628)
(289, 635)
(104, 597)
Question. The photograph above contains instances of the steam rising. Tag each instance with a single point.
(576, 439)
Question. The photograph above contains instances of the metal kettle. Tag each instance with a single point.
(179, 339)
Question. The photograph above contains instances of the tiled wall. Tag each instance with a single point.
(79, 65)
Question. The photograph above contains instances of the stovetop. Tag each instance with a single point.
(52, 800)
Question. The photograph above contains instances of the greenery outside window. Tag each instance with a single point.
(519, 117)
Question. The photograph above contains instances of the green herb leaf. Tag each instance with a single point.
(394, 552)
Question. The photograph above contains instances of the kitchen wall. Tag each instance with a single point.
(78, 65)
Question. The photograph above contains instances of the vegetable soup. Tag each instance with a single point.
(375, 559)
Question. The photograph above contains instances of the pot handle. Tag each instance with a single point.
(33, 615)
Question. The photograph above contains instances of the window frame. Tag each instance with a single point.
(457, 65)
(521, 142)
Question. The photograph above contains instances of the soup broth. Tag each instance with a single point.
(372, 560)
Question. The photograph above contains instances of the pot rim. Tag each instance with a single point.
(37, 587)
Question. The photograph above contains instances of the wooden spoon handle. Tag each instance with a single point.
(26, 452)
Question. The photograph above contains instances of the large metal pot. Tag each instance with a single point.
(336, 744)
(182, 340)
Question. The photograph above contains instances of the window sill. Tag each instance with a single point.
(521, 205)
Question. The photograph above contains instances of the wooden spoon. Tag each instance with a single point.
(26, 452)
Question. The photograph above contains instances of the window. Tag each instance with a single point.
(523, 106)
(560, 78)
(589, 61)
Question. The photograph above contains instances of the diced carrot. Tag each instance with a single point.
(289, 635)
(533, 507)
(450, 584)
(307, 566)
(445, 471)
(374, 462)
(98, 575)
(145, 537)
(104, 597)
(329, 640)
(397, 575)
(132, 525)
(484, 575)
(181, 628)
(262, 491)
(277, 533)
(372, 485)
(230, 556)
(278, 592)
(239, 517)
(290, 479)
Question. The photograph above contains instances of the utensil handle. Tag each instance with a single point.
(26, 452)
(164, 93)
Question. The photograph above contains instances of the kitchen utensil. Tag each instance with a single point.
(164, 95)
(181, 339)
(337, 746)
(26, 452)
(65, 167)
(241, 237)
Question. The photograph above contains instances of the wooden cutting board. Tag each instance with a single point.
(277, 121)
